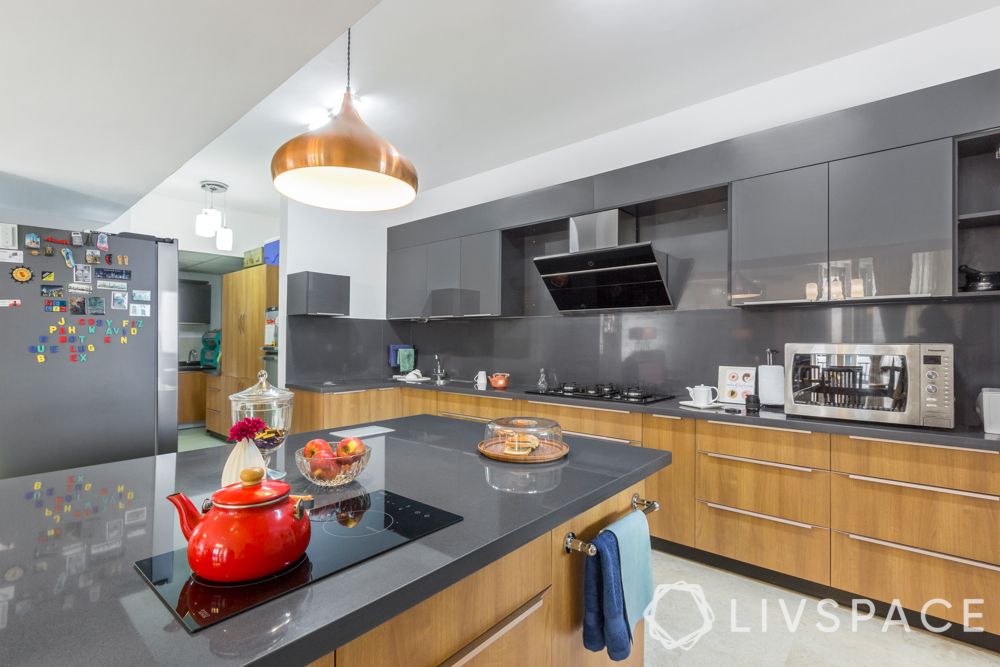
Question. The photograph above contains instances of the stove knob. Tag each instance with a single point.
(932, 375)
(931, 389)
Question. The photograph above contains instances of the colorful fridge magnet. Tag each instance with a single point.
(139, 310)
(67, 255)
(88, 238)
(52, 239)
(108, 258)
(119, 301)
(102, 241)
(126, 260)
(113, 274)
(10, 303)
(49, 251)
(141, 295)
(16, 256)
(54, 305)
(35, 252)
(76, 238)
(32, 240)
(52, 291)
(78, 305)
(93, 256)
(82, 273)
(21, 274)
(48, 276)
(95, 305)
(79, 288)
(118, 285)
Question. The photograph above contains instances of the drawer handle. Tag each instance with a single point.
(924, 487)
(767, 517)
(925, 444)
(763, 428)
(459, 415)
(344, 393)
(388, 388)
(623, 441)
(582, 407)
(924, 552)
(667, 417)
(495, 398)
(771, 464)
(466, 654)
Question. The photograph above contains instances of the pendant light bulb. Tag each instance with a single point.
(344, 165)
(209, 221)
(224, 239)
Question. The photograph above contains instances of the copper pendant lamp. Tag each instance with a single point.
(344, 165)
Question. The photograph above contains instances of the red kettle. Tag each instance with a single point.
(248, 530)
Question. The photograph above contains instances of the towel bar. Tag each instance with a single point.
(571, 543)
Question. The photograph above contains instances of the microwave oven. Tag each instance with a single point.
(909, 383)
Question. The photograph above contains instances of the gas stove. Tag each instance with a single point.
(613, 393)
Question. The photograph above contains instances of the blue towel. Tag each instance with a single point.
(635, 556)
(604, 622)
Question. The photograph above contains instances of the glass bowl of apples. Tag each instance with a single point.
(327, 464)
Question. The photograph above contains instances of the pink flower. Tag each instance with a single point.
(246, 428)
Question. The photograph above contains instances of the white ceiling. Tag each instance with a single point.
(204, 262)
(465, 87)
(106, 98)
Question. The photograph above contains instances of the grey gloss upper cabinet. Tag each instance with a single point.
(406, 282)
(443, 278)
(891, 223)
(480, 274)
(779, 237)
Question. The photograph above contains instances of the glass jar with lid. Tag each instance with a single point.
(271, 405)
(528, 438)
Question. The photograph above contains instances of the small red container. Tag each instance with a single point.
(249, 530)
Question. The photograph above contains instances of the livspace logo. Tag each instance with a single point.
(673, 633)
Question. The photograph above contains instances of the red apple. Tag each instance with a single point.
(315, 446)
(350, 447)
(323, 465)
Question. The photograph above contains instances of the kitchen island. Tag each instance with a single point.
(71, 593)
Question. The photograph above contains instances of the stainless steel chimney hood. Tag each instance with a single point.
(606, 269)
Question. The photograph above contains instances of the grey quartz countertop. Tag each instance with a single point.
(71, 594)
(965, 437)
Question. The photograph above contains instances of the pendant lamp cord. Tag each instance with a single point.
(348, 59)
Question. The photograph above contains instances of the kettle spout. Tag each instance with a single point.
(189, 514)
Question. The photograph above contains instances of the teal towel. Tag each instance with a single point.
(632, 532)
(406, 358)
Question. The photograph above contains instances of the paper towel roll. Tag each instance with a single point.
(771, 385)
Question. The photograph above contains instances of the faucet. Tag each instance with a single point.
(438, 371)
(192, 355)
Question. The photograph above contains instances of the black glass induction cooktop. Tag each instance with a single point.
(344, 533)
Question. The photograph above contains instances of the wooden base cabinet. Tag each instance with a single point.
(417, 402)
(190, 398)
(619, 425)
(767, 443)
(313, 411)
(384, 403)
(216, 405)
(673, 486)
(886, 571)
(476, 408)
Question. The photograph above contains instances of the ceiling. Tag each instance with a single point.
(204, 262)
(464, 88)
(107, 98)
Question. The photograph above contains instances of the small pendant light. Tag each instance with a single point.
(344, 165)
(208, 222)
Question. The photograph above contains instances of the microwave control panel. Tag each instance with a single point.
(937, 386)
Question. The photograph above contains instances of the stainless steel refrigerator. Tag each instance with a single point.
(88, 348)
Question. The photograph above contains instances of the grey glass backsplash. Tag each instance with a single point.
(666, 350)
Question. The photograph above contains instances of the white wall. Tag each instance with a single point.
(168, 217)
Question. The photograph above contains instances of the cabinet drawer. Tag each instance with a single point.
(778, 489)
(483, 408)
(935, 465)
(792, 547)
(440, 626)
(886, 571)
(586, 420)
(767, 443)
(214, 398)
(418, 402)
(214, 422)
(960, 523)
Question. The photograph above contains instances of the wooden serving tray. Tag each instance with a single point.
(546, 451)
